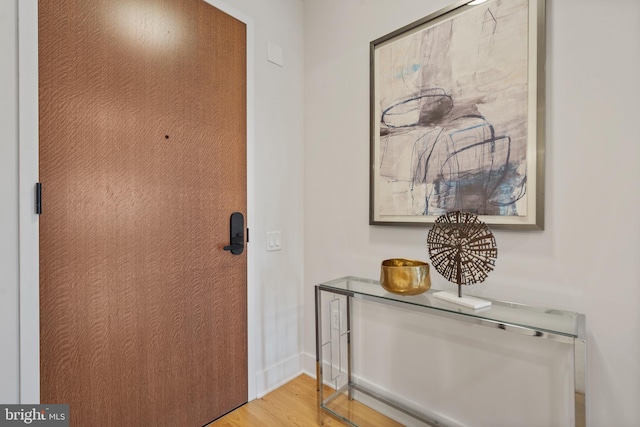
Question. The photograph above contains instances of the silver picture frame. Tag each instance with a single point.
(457, 115)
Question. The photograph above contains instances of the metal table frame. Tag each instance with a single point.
(577, 339)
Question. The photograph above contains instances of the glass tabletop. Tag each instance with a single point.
(553, 321)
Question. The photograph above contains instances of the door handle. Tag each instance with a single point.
(236, 234)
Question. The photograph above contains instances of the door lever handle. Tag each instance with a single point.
(235, 247)
(236, 234)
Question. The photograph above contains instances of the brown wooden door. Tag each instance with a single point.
(142, 162)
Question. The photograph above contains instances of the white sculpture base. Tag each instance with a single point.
(470, 302)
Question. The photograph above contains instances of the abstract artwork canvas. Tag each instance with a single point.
(457, 116)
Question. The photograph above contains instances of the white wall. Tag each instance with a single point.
(585, 260)
(9, 367)
(277, 201)
(278, 187)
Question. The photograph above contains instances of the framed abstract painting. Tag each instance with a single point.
(457, 116)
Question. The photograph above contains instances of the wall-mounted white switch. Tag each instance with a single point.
(274, 240)
(274, 54)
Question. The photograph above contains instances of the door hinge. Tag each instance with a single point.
(247, 234)
(38, 198)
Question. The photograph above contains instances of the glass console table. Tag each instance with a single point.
(561, 326)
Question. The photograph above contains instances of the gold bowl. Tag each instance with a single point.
(405, 276)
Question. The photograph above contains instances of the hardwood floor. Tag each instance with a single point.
(294, 405)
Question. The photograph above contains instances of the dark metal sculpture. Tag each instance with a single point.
(462, 248)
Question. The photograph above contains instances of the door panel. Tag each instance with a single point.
(142, 160)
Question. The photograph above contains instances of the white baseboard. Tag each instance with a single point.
(397, 415)
(278, 374)
(309, 364)
(309, 368)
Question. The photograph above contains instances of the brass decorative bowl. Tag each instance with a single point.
(405, 276)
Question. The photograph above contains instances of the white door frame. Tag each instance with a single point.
(28, 176)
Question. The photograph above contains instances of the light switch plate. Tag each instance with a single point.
(274, 54)
(274, 240)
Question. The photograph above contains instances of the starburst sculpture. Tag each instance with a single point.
(462, 248)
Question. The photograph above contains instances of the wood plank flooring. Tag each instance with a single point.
(294, 405)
